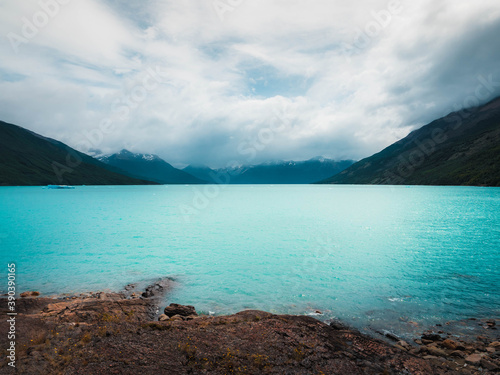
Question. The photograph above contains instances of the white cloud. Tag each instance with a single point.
(340, 92)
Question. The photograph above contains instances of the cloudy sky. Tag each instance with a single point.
(218, 81)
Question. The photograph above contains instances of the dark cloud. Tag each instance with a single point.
(267, 80)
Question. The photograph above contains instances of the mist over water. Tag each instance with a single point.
(371, 255)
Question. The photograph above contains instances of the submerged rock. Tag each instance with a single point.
(156, 289)
(29, 294)
(431, 337)
(337, 325)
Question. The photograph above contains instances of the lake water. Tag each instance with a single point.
(367, 254)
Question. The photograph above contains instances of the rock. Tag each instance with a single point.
(436, 351)
(495, 344)
(400, 347)
(338, 326)
(469, 349)
(489, 349)
(418, 341)
(404, 345)
(449, 344)
(175, 309)
(457, 353)
(488, 365)
(391, 336)
(491, 323)
(157, 289)
(130, 287)
(318, 312)
(29, 294)
(431, 337)
(152, 290)
(415, 324)
(429, 357)
(415, 351)
(175, 317)
(426, 342)
(109, 296)
(162, 317)
(474, 358)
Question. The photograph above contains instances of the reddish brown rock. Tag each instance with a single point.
(436, 351)
(489, 365)
(449, 344)
(457, 353)
(29, 294)
(474, 358)
(162, 317)
(181, 310)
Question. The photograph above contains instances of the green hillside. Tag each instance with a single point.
(460, 149)
(150, 167)
(27, 158)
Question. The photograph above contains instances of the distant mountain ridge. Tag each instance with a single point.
(150, 167)
(277, 172)
(462, 148)
(30, 159)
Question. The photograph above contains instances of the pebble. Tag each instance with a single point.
(436, 351)
(449, 344)
(457, 353)
(474, 358)
(488, 365)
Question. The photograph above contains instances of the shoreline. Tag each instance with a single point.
(467, 328)
(69, 332)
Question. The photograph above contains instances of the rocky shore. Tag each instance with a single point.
(125, 333)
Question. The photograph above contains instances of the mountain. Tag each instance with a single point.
(291, 172)
(149, 167)
(278, 172)
(27, 158)
(202, 172)
(462, 148)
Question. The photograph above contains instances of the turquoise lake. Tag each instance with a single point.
(371, 255)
